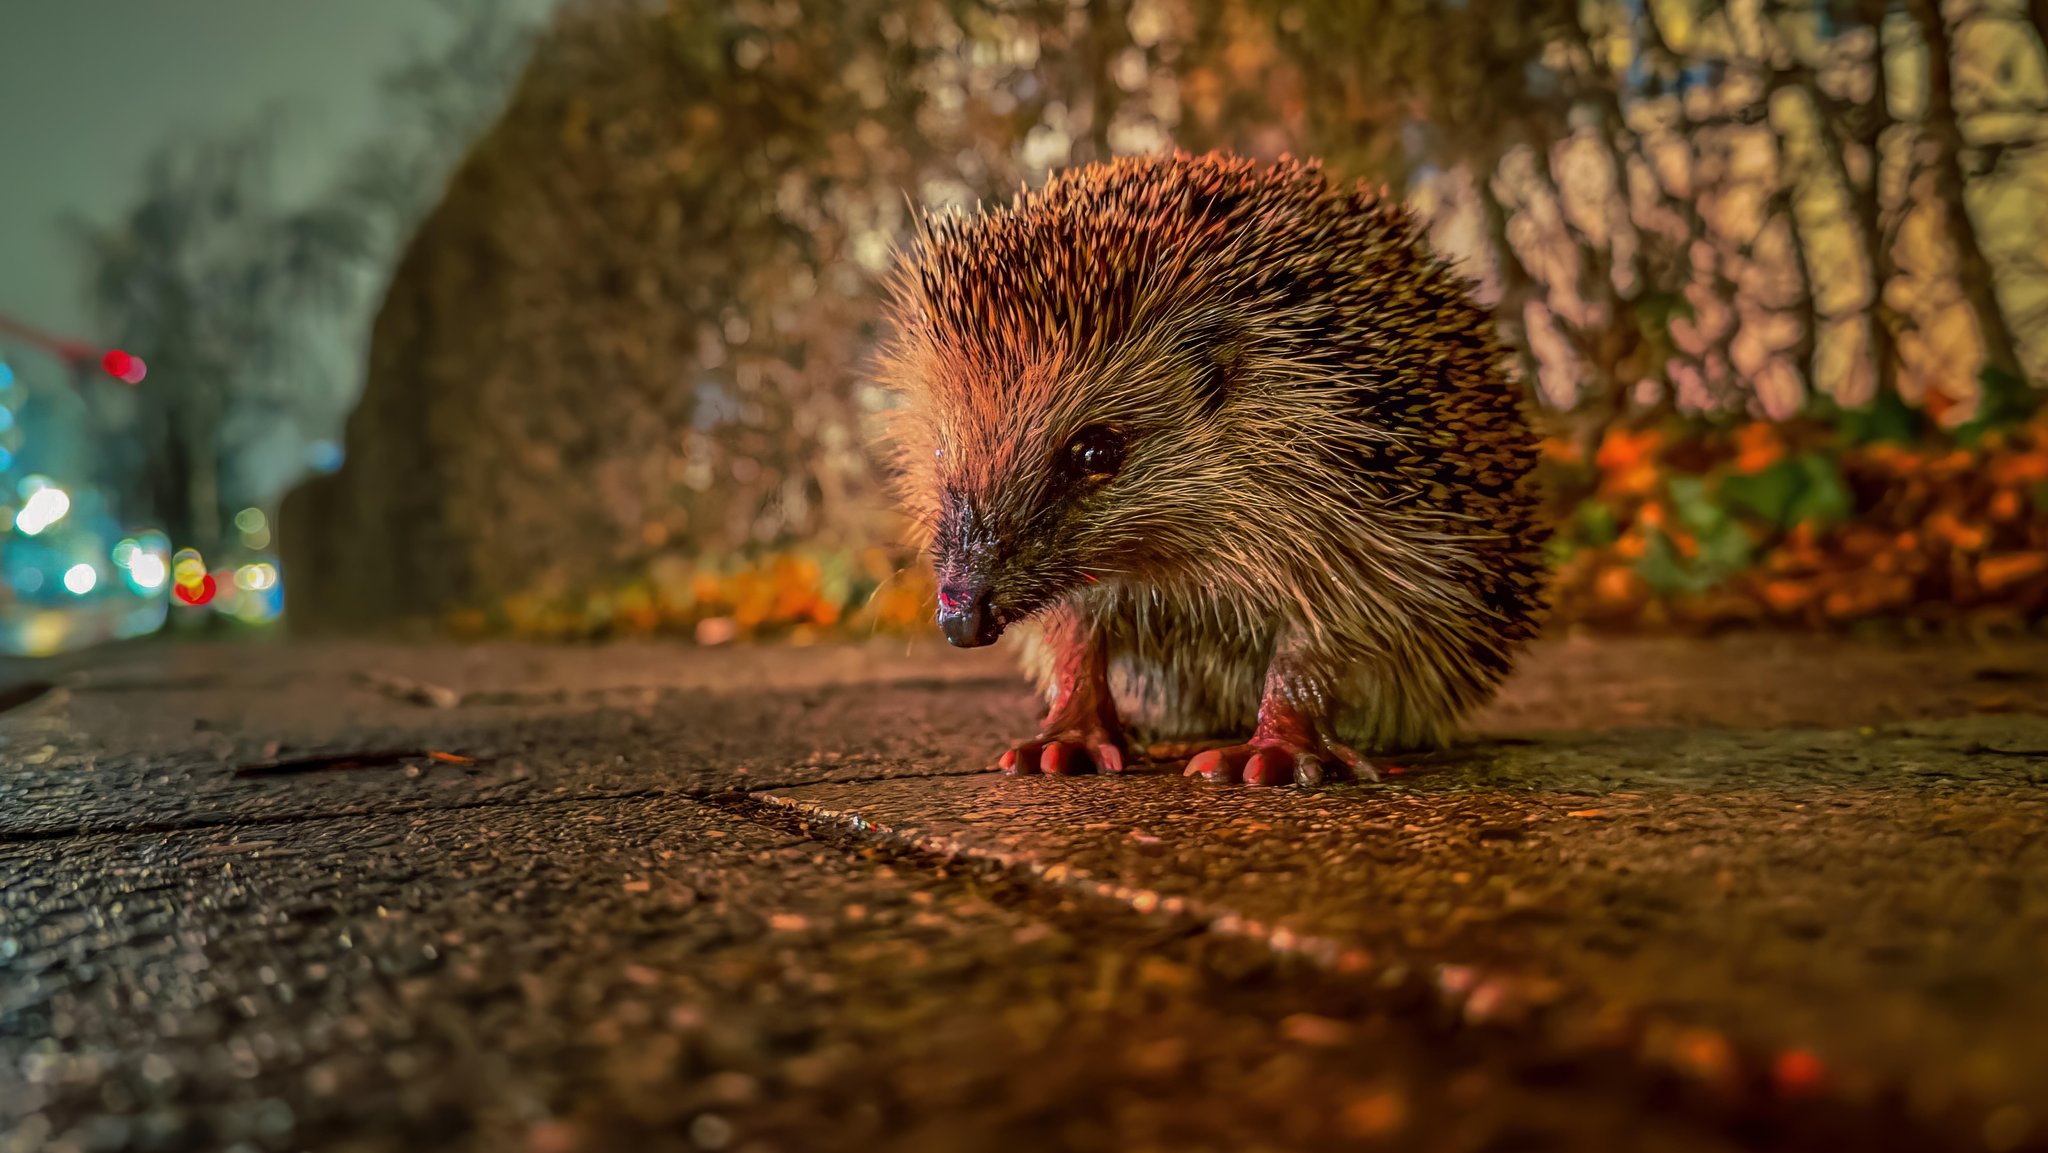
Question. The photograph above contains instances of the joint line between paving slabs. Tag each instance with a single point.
(1394, 983)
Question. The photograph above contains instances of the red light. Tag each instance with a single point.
(197, 594)
(124, 367)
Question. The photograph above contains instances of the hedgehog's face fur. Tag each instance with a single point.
(1036, 475)
(1080, 372)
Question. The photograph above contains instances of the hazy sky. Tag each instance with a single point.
(89, 87)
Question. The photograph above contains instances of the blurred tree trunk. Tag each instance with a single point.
(1864, 127)
(1517, 286)
(200, 419)
(1944, 136)
(1802, 267)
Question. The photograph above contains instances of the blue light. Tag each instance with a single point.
(6, 460)
(324, 456)
(6, 419)
(6, 375)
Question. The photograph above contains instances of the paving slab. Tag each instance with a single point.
(1871, 907)
(1742, 893)
(159, 735)
(172, 737)
(654, 974)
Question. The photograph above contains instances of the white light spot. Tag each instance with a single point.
(80, 578)
(147, 570)
(43, 508)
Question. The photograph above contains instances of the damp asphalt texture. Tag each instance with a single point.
(1753, 893)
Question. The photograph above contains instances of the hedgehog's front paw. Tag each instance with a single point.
(1282, 761)
(1067, 752)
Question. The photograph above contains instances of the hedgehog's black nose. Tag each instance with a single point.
(966, 615)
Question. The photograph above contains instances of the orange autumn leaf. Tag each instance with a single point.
(1618, 585)
(2018, 470)
(1758, 447)
(1622, 448)
(1997, 572)
(1628, 460)
(1962, 537)
(1960, 460)
(1786, 596)
(1866, 595)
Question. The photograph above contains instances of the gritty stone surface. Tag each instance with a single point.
(1673, 895)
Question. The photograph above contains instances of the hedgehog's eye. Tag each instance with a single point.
(1095, 453)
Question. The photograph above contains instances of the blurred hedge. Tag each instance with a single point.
(619, 382)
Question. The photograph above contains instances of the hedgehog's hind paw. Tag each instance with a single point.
(1282, 761)
(1066, 753)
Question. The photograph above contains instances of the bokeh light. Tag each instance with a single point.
(198, 593)
(146, 571)
(143, 560)
(124, 367)
(187, 567)
(254, 526)
(191, 583)
(45, 505)
(81, 578)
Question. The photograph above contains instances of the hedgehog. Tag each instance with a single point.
(1239, 460)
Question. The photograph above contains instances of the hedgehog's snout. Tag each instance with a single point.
(967, 613)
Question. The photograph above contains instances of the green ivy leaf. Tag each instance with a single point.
(1823, 497)
(1808, 487)
(1661, 567)
(1888, 418)
(1695, 508)
(1725, 551)
(1667, 572)
(1768, 495)
(1597, 523)
(2004, 401)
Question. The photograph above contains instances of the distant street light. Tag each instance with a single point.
(123, 366)
(76, 354)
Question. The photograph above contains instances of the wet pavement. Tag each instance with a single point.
(1750, 893)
